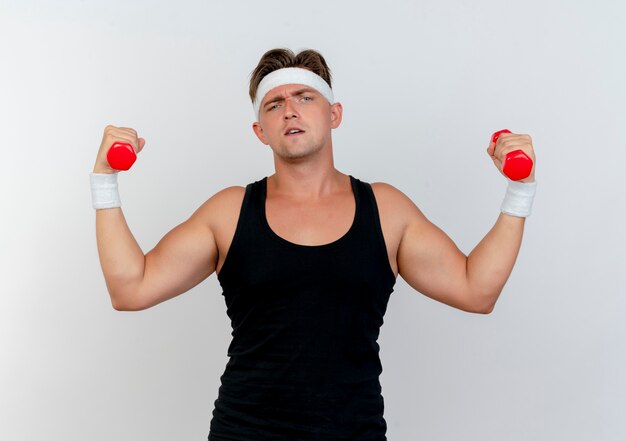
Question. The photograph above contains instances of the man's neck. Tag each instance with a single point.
(305, 180)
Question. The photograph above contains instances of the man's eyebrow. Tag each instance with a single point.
(296, 93)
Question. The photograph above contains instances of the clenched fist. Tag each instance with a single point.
(510, 142)
(111, 135)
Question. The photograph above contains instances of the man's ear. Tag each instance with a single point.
(336, 115)
(258, 131)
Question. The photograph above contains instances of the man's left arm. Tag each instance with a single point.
(491, 262)
(431, 263)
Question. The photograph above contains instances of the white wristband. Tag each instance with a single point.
(518, 199)
(104, 193)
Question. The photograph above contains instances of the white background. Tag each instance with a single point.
(423, 85)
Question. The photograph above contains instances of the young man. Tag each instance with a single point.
(307, 259)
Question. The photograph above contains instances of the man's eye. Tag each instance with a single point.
(307, 98)
(272, 107)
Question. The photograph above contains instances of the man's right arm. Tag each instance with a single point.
(181, 260)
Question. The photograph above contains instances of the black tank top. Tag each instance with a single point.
(304, 359)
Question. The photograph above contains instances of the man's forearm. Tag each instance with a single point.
(490, 263)
(121, 258)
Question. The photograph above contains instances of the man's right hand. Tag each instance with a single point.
(111, 135)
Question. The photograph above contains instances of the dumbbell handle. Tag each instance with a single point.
(517, 164)
(121, 156)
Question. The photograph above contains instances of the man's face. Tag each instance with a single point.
(296, 120)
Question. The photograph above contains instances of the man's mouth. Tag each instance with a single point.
(291, 132)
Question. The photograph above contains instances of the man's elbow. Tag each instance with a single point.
(486, 304)
(126, 302)
(487, 309)
(119, 305)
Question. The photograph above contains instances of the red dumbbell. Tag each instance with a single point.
(121, 156)
(517, 164)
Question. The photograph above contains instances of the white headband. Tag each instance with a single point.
(291, 75)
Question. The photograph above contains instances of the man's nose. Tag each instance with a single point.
(290, 110)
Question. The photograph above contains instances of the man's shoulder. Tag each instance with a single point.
(391, 201)
(386, 191)
(384, 187)
(223, 206)
(229, 196)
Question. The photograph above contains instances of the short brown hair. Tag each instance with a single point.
(275, 59)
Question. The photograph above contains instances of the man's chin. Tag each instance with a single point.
(296, 155)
